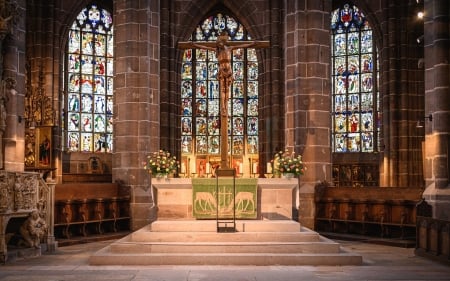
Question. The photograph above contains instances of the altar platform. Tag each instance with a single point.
(273, 237)
(196, 242)
(277, 199)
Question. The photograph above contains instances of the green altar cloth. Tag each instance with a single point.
(205, 196)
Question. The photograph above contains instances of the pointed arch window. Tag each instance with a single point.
(88, 100)
(355, 105)
(200, 111)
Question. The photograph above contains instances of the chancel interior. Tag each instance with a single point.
(116, 116)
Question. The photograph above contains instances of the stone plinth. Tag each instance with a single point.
(277, 198)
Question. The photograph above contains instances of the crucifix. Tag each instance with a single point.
(223, 49)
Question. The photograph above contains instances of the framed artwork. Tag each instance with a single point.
(44, 147)
(30, 149)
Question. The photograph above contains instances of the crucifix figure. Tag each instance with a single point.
(223, 49)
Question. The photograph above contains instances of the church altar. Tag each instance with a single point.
(276, 198)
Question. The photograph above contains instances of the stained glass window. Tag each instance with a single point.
(354, 81)
(88, 112)
(200, 96)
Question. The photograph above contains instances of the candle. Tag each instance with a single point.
(183, 168)
(240, 168)
(208, 168)
(194, 170)
(255, 168)
(269, 167)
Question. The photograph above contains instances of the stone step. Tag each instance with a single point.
(241, 226)
(226, 247)
(199, 243)
(105, 257)
(147, 236)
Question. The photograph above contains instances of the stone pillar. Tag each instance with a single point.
(12, 73)
(437, 92)
(307, 60)
(137, 99)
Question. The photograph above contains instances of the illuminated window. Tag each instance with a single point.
(88, 110)
(354, 83)
(200, 98)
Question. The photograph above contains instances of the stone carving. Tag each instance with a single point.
(25, 193)
(33, 230)
(25, 189)
(6, 191)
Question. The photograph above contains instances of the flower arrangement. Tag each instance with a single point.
(161, 162)
(285, 162)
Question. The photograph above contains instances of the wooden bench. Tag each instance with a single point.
(90, 208)
(370, 211)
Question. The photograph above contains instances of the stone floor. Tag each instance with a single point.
(380, 263)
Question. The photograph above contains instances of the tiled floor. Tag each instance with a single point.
(380, 263)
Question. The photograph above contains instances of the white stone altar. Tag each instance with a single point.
(277, 198)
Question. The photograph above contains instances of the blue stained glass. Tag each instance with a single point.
(200, 107)
(186, 125)
(238, 107)
(213, 91)
(100, 104)
(202, 136)
(366, 82)
(238, 73)
(87, 64)
(353, 81)
(252, 126)
(201, 71)
(186, 89)
(252, 70)
(252, 109)
(74, 103)
(214, 145)
(186, 107)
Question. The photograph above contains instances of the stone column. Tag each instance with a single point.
(307, 99)
(137, 100)
(437, 92)
(12, 65)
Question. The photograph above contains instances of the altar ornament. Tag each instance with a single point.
(286, 162)
(161, 163)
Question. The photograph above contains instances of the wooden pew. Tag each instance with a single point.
(370, 211)
(82, 209)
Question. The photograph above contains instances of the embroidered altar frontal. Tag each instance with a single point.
(206, 198)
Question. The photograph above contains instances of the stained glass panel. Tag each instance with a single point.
(353, 82)
(200, 113)
(89, 101)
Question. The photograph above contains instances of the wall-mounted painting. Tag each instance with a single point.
(44, 147)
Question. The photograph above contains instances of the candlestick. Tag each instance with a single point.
(269, 167)
(183, 168)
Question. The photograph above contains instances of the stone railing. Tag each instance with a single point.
(21, 193)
